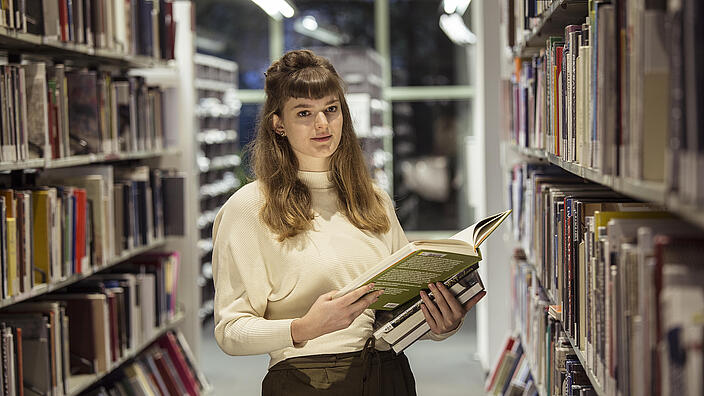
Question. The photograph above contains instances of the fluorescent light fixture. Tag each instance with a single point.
(276, 8)
(308, 26)
(456, 30)
(309, 23)
(455, 6)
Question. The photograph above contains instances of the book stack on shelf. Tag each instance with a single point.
(84, 199)
(602, 109)
(218, 157)
(361, 69)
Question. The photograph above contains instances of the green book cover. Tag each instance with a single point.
(407, 271)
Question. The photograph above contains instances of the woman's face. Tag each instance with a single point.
(313, 127)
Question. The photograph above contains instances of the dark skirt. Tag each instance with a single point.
(367, 372)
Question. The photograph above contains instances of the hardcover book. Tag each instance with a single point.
(410, 269)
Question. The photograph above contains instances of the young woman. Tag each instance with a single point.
(310, 223)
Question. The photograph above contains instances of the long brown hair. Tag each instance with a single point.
(287, 208)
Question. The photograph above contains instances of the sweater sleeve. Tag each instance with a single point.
(242, 285)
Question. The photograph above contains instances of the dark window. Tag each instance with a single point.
(421, 53)
(351, 22)
(428, 171)
(236, 30)
(248, 129)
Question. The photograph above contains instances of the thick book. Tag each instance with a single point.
(410, 269)
(406, 330)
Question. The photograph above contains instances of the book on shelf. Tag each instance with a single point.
(410, 269)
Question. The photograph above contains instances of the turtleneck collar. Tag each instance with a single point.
(316, 180)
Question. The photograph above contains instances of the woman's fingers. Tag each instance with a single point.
(356, 294)
(474, 300)
(429, 318)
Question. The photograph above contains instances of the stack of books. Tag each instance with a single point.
(454, 261)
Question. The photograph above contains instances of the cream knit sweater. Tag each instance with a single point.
(262, 285)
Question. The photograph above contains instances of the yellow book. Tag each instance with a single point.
(41, 236)
(10, 202)
(13, 281)
(601, 219)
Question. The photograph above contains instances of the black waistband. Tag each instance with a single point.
(329, 360)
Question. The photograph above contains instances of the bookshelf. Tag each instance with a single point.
(48, 288)
(28, 43)
(642, 190)
(89, 159)
(165, 151)
(558, 14)
(219, 157)
(582, 129)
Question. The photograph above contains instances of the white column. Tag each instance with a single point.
(188, 292)
(493, 312)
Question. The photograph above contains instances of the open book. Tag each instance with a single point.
(410, 269)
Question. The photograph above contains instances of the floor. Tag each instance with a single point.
(447, 368)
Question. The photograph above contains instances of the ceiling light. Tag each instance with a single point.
(455, 6)
(456, 30)
(276, 8)
(309, 23)
(308, 26)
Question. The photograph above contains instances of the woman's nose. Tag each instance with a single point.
(320, 120)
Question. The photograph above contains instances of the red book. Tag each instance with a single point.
(80, 225)
(114, 339)
(169, 380)
(18, 356)
(169, 343)
(558, 98)
(492, 377)
(63, 19)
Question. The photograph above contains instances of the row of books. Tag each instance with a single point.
(547, 348)
(511, 376)
(167, 367)
(618, 270)
(53, 111)
(78, 220)
(619, 93)
(136, 27)
(87, 328)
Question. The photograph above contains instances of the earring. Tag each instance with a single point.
(282, 134)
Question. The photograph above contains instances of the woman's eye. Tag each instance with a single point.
(304, 113)
(332, 109)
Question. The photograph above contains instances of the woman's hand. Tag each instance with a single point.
(328, 315)
(445, 313)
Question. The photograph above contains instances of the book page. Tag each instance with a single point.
(479, 231)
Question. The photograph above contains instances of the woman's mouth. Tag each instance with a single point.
(322, 138)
